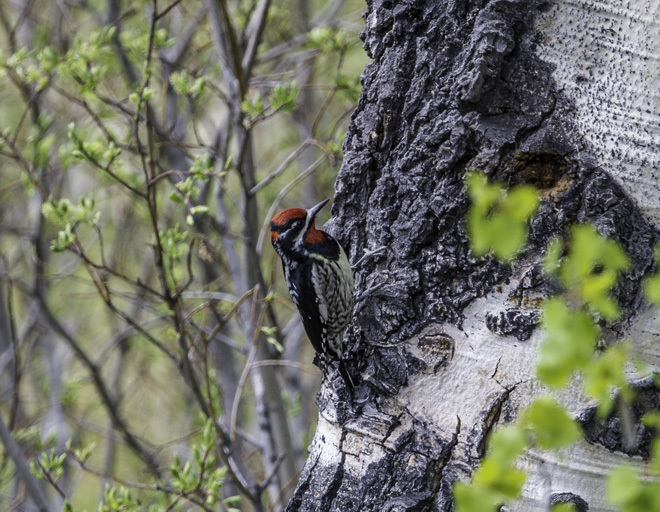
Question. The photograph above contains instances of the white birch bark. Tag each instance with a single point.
(607, 58)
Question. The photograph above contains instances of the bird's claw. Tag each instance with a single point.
(371, 253)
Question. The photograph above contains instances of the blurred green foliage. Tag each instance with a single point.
(588, 266)
(571, 339)
(497, 219)
(563, 507)
(629, 493)
(496, 480)
(652, 284)
(550, 424)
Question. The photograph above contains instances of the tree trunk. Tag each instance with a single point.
(562, 96)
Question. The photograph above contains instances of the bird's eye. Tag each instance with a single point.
(298, 224)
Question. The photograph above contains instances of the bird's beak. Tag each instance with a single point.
(313, 211)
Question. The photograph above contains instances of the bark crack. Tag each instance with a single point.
(491, 418)
(448, 457)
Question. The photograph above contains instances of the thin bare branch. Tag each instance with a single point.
(282, 167)
(271, 211)
(291, 364)
(107, 400)
(254, 32)
(167, 9)
(23, 470)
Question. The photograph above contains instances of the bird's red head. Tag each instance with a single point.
(285, 219)
(295, 224)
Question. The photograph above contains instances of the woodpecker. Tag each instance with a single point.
(320, 281)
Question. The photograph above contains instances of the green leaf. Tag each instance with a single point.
(505, 482)
(495, 480)
(497, 219)
(349, 86)
(591, 269)
(605, 373)
(179, 82)
(652, 283)
(571, 338)
(626, 491)
(198, 87)
(327, 39)
(83, 454)
(522, 202)
(471, 498)
(552, 256)
(623, 486)
(253, 107)
(652, 289)
(652, 420)
(284, 97)
(563, 507)
(161, 40)
(480, 192)
(507, 238)
(550, 423)
(506, 444)
(232, 500)
(201, 167)
(655, 454)
(199, 209)
(276, 344)
(479, 233)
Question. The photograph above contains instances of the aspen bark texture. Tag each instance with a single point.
(559, 95)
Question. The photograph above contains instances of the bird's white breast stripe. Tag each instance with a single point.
(303, 231)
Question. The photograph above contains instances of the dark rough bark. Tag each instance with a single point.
(622, 430)
(453, 86)
(567, 497)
